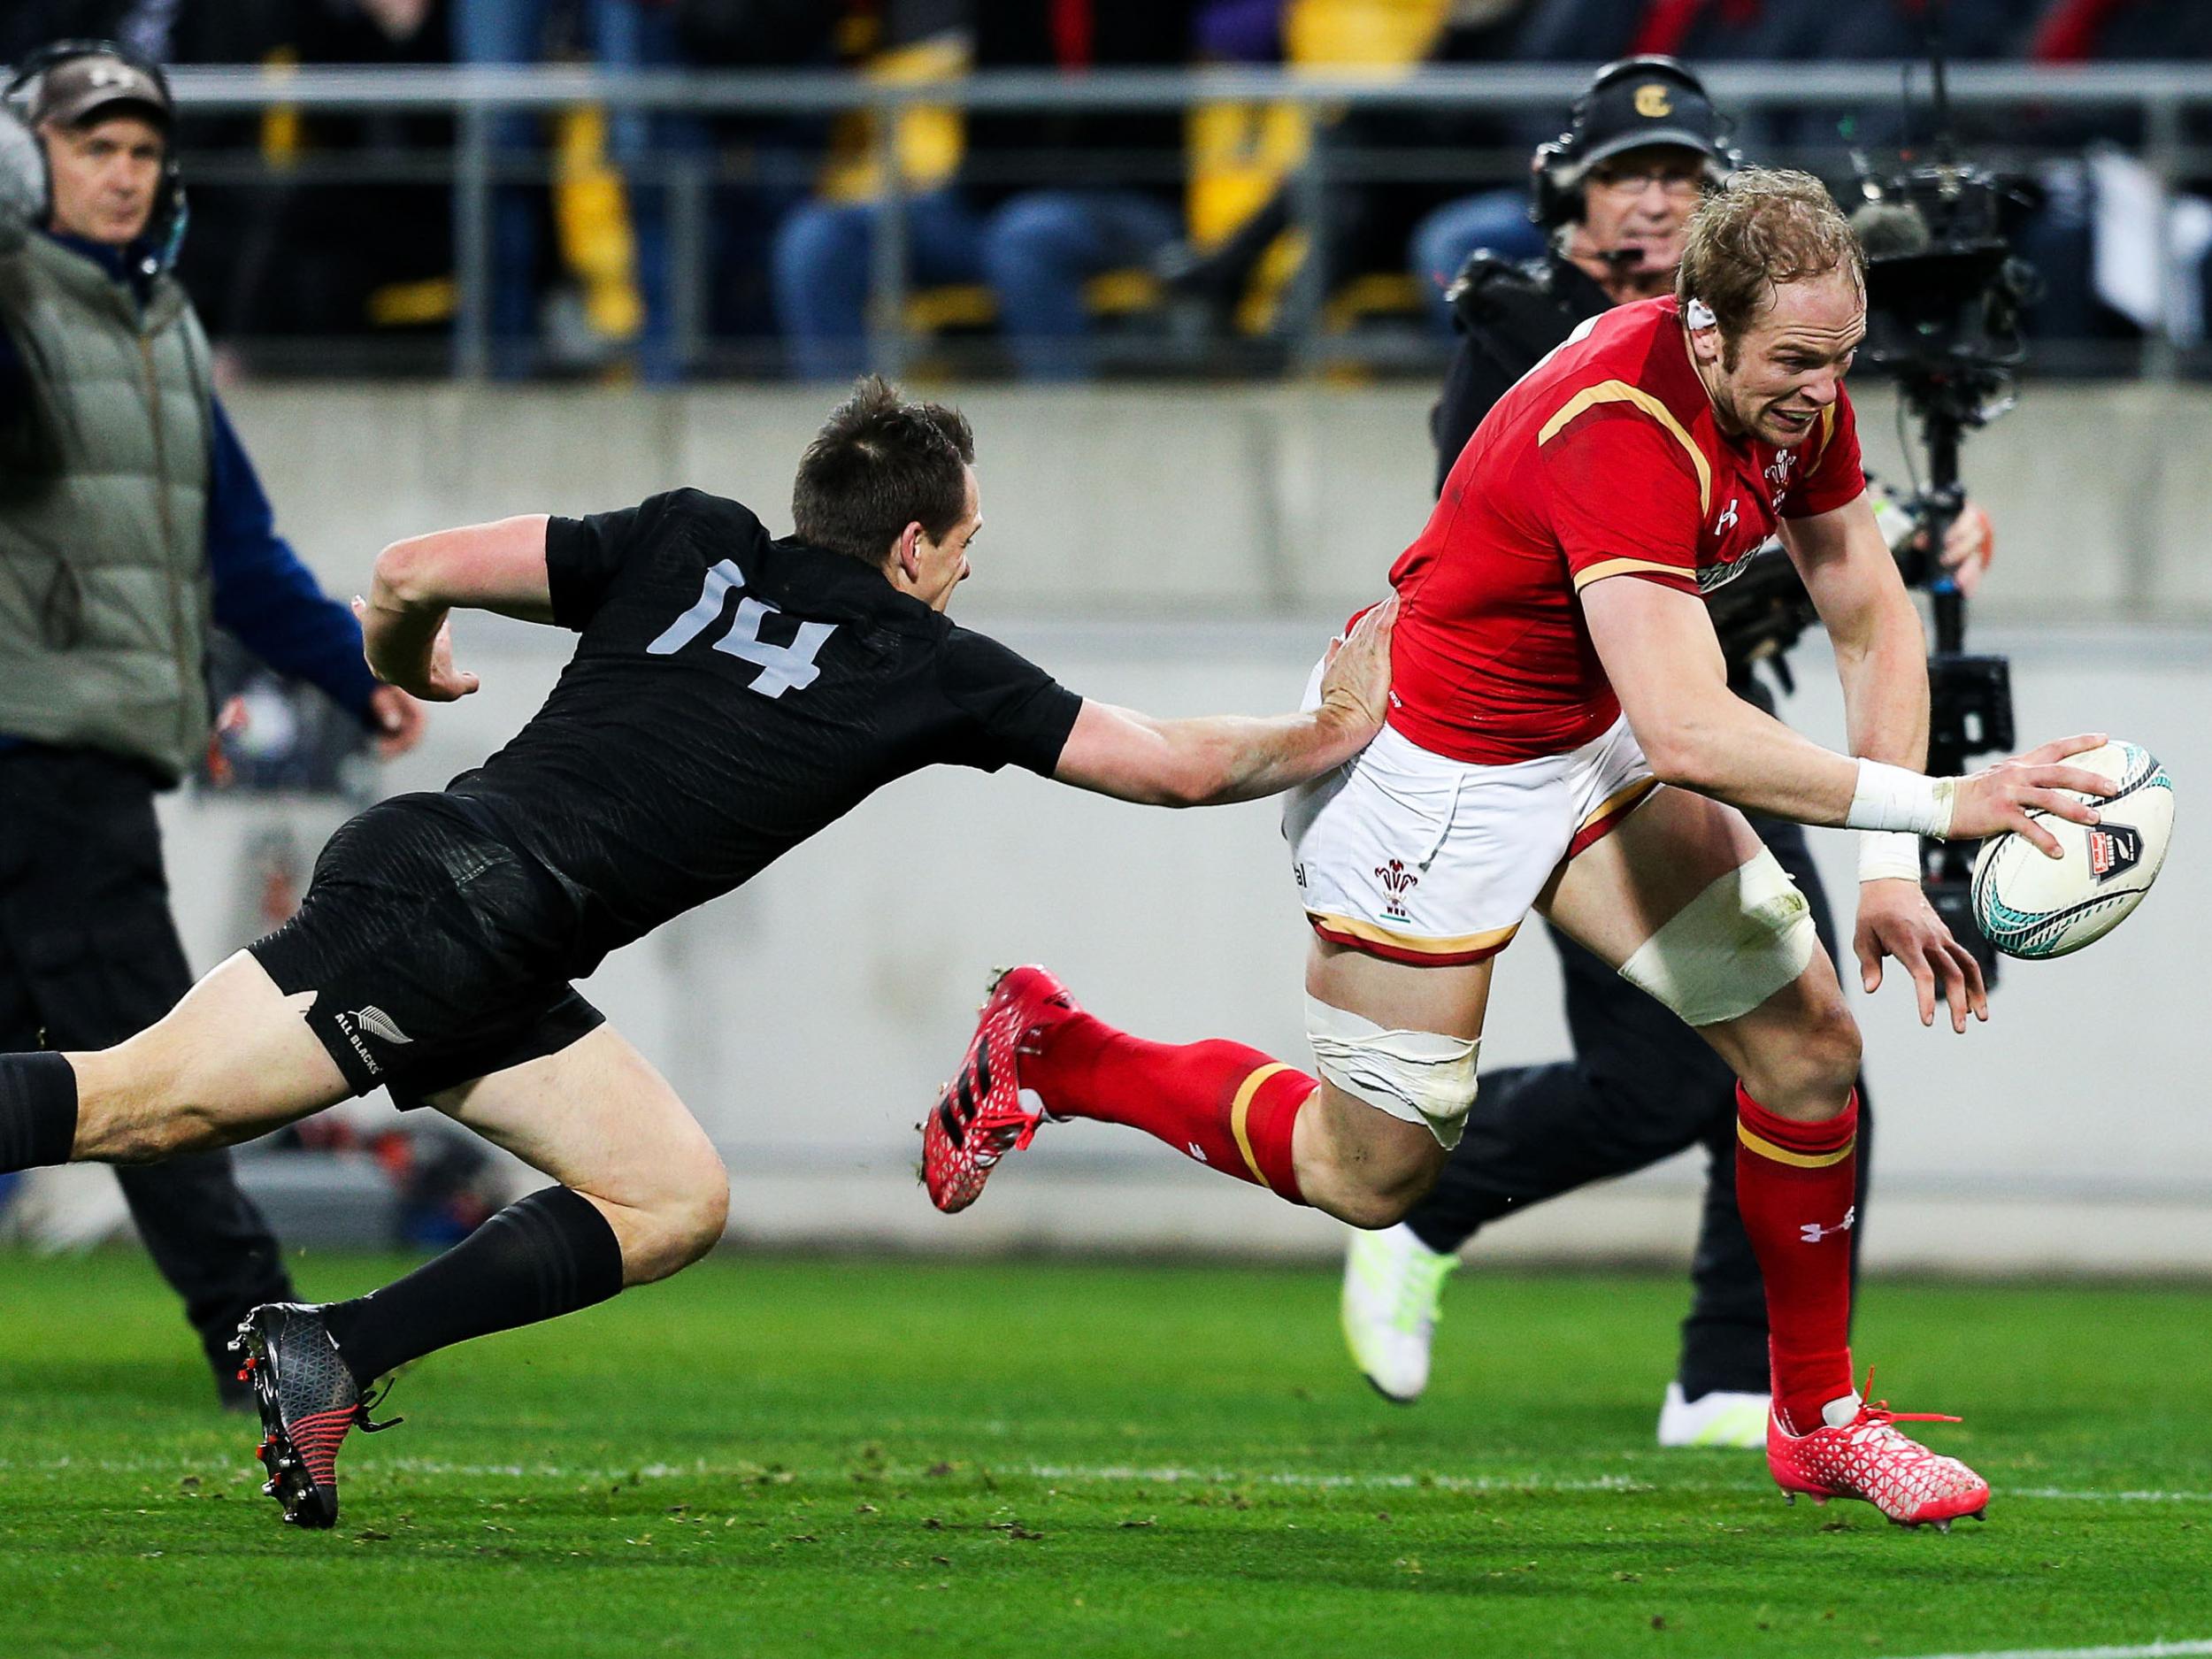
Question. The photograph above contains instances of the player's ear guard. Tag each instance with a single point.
(1731, 948)
(1419, 1076)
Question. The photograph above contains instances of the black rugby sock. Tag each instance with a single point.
(38, 1112)
(544, 1255)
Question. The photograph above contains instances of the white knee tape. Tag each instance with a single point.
(1731, 948)
(1419, 1076)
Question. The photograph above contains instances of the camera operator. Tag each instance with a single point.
(130, 520)
(1615, 193)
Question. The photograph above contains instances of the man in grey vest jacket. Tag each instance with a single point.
(130, 520)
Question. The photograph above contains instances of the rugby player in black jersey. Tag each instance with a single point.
(732, 692)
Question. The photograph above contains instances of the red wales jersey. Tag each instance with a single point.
(1604, 460)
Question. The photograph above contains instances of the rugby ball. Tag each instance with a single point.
(2028, 905)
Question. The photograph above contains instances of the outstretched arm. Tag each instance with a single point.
(1213, 759)
(1660, 653)
(498, 566)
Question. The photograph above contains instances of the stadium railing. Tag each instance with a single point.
(2156, 102)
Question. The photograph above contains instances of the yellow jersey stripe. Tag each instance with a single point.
(1622, 392)
(1241, 1108)
(1620, 800)
(1766, 1149)
(1359, 929)
(1604, 568)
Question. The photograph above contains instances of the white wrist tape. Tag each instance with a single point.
(1889, 855)
(1892, 798)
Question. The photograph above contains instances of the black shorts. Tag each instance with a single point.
(433, 948)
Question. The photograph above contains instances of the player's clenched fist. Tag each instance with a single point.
(2000, 797)
(413, 650)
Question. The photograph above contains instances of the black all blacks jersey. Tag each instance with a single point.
(731, 694)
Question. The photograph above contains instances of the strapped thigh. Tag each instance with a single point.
(1421, 1077)
(1746, 936)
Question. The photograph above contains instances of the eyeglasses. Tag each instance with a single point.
(1636, 180)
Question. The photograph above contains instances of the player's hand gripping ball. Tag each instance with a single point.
(2030, 904)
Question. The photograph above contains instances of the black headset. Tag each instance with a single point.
(1556, 175)
(164, 234)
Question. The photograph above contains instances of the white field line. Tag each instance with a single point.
(2149, 1650)
(1108, 1474)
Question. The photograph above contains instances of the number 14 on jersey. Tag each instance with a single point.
(783, 667)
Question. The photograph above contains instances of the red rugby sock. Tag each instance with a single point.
(1796, 1184)
(1229, 1107)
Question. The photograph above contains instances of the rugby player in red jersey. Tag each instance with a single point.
(1555, 672)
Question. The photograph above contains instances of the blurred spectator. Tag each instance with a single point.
(967, 218)
(764, 165)
(621, 35)
(299, 254)
(2143, 31)
(1393, 219)
(1495, 218)
(1041, 245)
(823, 253)
(1016, 215)
(1246, 237)
(2105, 243)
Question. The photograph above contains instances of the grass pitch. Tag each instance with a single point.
(771, 1457)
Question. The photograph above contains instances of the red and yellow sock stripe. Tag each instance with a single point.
(1767, 1148)
(1799, 1145)
(1262, 1114)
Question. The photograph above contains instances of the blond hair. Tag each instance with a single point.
(1767, 226)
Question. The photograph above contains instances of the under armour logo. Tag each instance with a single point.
(1813, 1232)
(1727, 520)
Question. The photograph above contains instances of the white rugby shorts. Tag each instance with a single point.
(1410, 857)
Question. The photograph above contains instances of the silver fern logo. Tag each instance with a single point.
(357, 1025)
(377, 1023)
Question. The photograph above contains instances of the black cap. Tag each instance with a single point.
(1631, 106)
(78, 90)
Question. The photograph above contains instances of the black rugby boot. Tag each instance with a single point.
(308, 1401)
